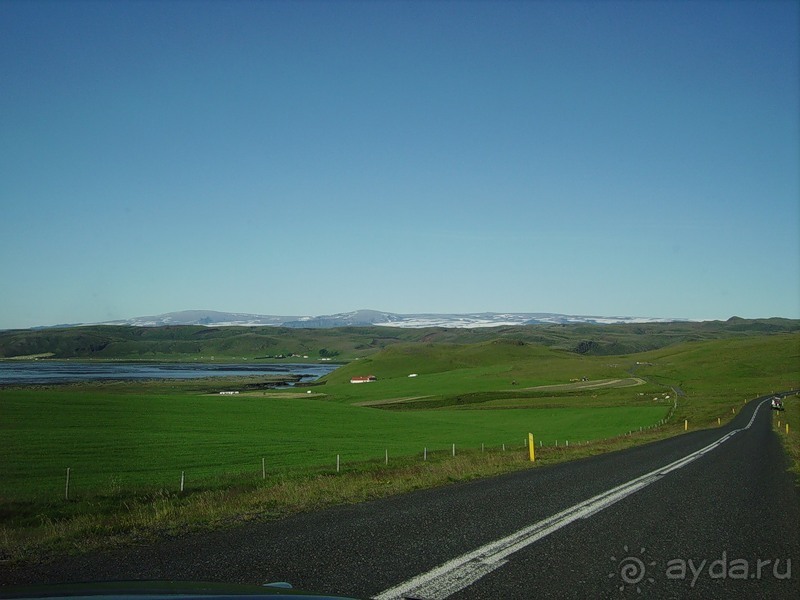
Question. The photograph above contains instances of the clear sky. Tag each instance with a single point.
(292, 158)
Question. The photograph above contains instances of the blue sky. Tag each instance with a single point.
(604, 158)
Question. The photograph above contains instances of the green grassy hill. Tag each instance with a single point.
(453, 372)
(108, 342)
(714, 375)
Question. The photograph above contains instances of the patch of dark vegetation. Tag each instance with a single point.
(586, 347)
(206, 331)
(305, 384)
(478, 398)
(509, 342)
(272, 383)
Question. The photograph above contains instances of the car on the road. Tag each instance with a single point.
(776, 403)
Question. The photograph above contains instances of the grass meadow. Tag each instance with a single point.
(114, 443)
(787, 425)
(126, 444)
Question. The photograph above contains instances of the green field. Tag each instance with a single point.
(114, 442)
(126, 444)
(117, 437)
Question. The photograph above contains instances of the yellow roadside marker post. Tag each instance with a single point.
(531, 451)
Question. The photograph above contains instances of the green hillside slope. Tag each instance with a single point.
(108, 342)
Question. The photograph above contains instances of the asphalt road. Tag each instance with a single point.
(724, 523)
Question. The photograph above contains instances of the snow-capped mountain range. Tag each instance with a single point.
(373, 317)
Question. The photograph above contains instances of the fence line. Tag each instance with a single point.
(426, 454)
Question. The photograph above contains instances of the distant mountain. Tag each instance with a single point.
(204, 317)
(373, 317)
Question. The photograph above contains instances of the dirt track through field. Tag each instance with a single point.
(589, 385)
(391, 401)
(577, 385)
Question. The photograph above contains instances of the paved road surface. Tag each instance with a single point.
(724, 523)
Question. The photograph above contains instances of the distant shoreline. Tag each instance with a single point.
(52, 372)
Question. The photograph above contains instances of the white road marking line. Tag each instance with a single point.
(463, 571)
